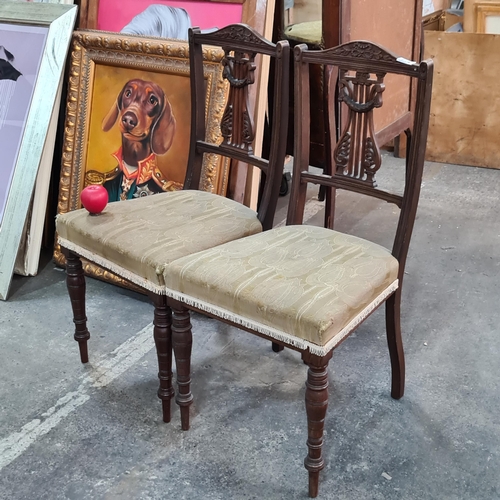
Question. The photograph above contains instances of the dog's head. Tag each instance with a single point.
(143, 113)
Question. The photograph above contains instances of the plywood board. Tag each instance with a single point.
(469, 17)
(390, 24)
(442, 4)
(465, 112)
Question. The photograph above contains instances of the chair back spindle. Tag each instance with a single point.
(357, 154)
(237, 126)
(241, 46)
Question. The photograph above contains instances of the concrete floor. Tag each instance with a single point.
(69, 431)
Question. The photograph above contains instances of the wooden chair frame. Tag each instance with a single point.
(355, 62)
(241, 44)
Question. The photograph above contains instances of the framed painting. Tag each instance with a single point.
(134, 150)
(34, 39)
(122, 15)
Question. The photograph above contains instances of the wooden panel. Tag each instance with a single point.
(390, 24)
(469, 16)
(465, 115)
(442, 4)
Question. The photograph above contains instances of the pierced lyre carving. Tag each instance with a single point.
(237, 127)
(357, 154)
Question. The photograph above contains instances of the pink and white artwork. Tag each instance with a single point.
(204, 14)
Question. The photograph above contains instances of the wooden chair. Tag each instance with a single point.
(137, 239)
(306, 287)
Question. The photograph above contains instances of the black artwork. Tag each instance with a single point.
(7, 71)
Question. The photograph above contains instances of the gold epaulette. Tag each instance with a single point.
(95, 177)
(165, 184)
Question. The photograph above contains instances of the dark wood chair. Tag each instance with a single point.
(307, 287)
(137, 239)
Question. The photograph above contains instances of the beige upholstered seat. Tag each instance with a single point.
(307, 32)
(302, 285)
(137, 238)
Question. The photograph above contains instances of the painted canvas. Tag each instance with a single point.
(204, 14)
(150, 170)
(21, 49)
(138, 144)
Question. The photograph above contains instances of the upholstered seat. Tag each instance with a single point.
(303, 285)
(307, 32)
(138, 238)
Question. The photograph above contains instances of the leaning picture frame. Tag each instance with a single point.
(28, 255)
(103, 69)
(28, 99)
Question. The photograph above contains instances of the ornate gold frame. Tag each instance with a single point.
(259, 14)
(90, 48)
(483, 10)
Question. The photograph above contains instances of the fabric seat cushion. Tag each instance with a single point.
(304, 285)
(307, 32)
(137, 238)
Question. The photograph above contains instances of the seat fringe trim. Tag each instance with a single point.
(280, 336)
(359, 318)
(111, 266)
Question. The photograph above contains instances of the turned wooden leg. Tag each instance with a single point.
(277, 347)
(163, 341)
(75, 281)
(395, 343)
(182, 341)
(316, 405)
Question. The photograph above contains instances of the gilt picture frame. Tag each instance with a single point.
(488, 17)
(40, 81)
(113, 15)
(102, 68)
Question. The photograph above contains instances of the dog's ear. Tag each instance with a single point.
(162, 132)
(112, 116)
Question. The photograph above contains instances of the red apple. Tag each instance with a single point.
(94, 198)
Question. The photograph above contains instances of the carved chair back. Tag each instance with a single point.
(241, 45)
(361, 68)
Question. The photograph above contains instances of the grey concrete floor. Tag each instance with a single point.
(73, 431)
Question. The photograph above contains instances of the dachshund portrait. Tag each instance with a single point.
(147, 126)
